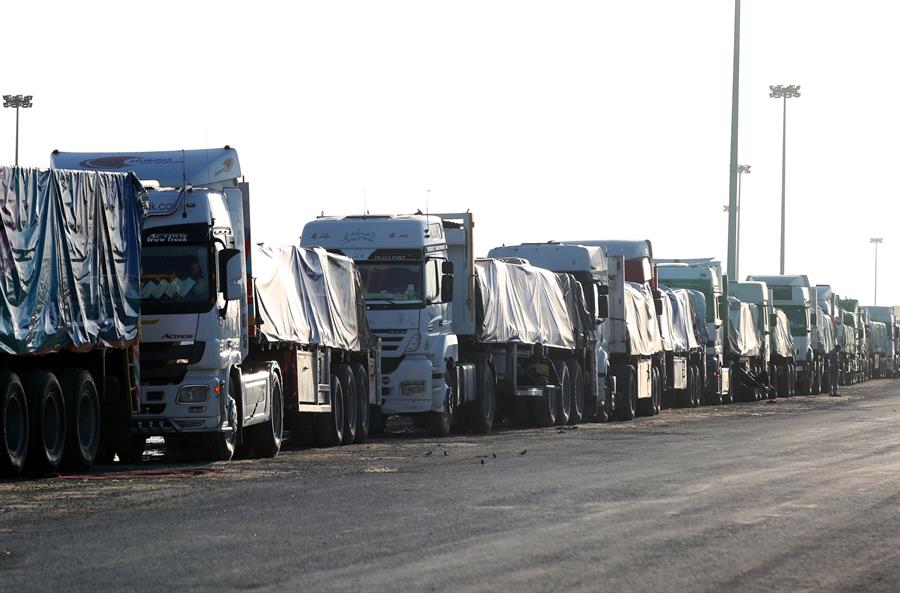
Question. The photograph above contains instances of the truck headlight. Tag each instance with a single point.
(193, 394)
(414, 343)
(412, 388)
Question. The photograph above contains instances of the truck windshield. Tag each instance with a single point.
(176, 278)
(797, 317)
(392, 281)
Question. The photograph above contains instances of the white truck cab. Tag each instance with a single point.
(407, 264)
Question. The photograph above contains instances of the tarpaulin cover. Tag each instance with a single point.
(823, 332)
(70, 259)
(846, 337)
(698, 300)
(579, 316)
(681, 319)
(641, 321)
(520, 303)
(782, 343)
(878, 338)
(743, 335)
(305, 295)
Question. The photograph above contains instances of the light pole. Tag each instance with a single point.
(17, 101)
(737, 252)
(876, 241)
(783, 92)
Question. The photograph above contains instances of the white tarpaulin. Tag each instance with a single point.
(698, 300)
(743, 336)
(681, 316)
(641, 321)
(309, 296)
(823, 332)
(523, 304)
(782, 342)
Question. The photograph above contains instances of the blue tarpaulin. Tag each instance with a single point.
(70, 259)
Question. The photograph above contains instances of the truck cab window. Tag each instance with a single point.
(433, 281)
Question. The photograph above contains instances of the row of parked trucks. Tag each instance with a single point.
(136, 304)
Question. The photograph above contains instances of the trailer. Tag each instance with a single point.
(685, 355)
(754, 379)
(589, 267)
(70, 262)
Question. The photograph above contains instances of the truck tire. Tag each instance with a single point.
(266, 438)
(649, 406)
(82, 419)
(330, 426)
(576, 410)
(13, 425)
(626, 406)
(220, 446)
(438, 424)
(351, 403)
(47, 430)
(545, 409)
(565, 393)
(361, 378)
(698, 387)
(480, 413)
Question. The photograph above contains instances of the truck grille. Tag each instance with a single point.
(166, 363)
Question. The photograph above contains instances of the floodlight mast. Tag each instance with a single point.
(783, 92)
(19, 102)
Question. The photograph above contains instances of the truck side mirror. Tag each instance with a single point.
(447, 287)
(602, 307)
(230, 274)
(659, 306)
(447, 267)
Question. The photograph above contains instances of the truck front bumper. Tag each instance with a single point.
(413, 388)
(161, 413)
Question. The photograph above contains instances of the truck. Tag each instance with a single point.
(649, 371)
(685, 353)
(589, 267)
(757, 381)
(794, 295)
(704, 275)
(777, 363)
(70, 263)
(829, 303)
(463, 344)
(744, 349)
(210, 378)
(852, 337)
(886, 345)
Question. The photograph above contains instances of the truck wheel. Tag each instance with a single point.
(362, 398)
(647, 406)
(545, 409)
(480, 413)
(82, 419)
(792, 380)
(13, 424)
(220, 446)
(351, 403)
(564, 406)
(626, 406)
(576, 411)
(131, 448)
(698, 387)
(47, 432)
(330, 426)
(266, 438)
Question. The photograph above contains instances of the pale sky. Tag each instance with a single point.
(549, 120)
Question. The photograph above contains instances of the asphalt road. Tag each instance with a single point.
(798, 495)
